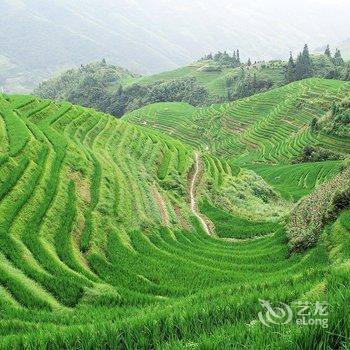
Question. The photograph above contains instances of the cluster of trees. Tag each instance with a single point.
(224, 59)
(317, 154)
(305, 67)
(137, 96)
(301, 68)
(246, 84)
(99, 86)
(337, 59)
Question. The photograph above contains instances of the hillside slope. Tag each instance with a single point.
(270, 127)
(216, 78)
(101, 246)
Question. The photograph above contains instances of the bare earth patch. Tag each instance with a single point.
(161, 205)
(82, 185)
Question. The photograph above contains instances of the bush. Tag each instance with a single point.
(317, 154)
(336, 121)
(321, 207)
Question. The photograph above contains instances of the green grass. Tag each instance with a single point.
(215, 82)
(99, 248)
(231, 226)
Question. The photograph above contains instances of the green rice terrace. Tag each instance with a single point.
(166, 229)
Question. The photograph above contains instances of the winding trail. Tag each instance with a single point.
(194, 206)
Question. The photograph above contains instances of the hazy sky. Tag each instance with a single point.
(154, 35)
(314, 21)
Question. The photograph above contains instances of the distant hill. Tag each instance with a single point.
(213, 79)
(115, 90)
(39, 38)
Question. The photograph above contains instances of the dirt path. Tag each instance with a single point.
(194, 206)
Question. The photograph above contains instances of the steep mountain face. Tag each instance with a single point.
(147, 36)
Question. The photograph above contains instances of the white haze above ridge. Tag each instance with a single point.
(148, 36)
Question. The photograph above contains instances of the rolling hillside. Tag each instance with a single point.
(270, 127)
(215, 81)
(155, 231)
(216, 78)
(114, 90)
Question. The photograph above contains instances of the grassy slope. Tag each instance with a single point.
(272, 126)
(215, 82)
(95, 226)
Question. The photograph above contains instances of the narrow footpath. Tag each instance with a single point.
(194, 206)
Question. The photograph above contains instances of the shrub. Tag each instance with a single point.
(317, 154)
(321, 207)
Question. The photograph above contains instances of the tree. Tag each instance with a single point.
(238, 58)
(255, 83)
(303, 65)
(299, 67)
(120, 90)
(307, 61)
(234, 57)
(328, 52)
(249, 63)
(290, 70)
(338, 59)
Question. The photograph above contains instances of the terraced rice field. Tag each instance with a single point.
(100, 248)
(270, 127)
(297, 180)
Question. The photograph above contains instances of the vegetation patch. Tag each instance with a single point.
(336, 121)
(310, 216)
(99, 221)
(231, 226)
(317, 154)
